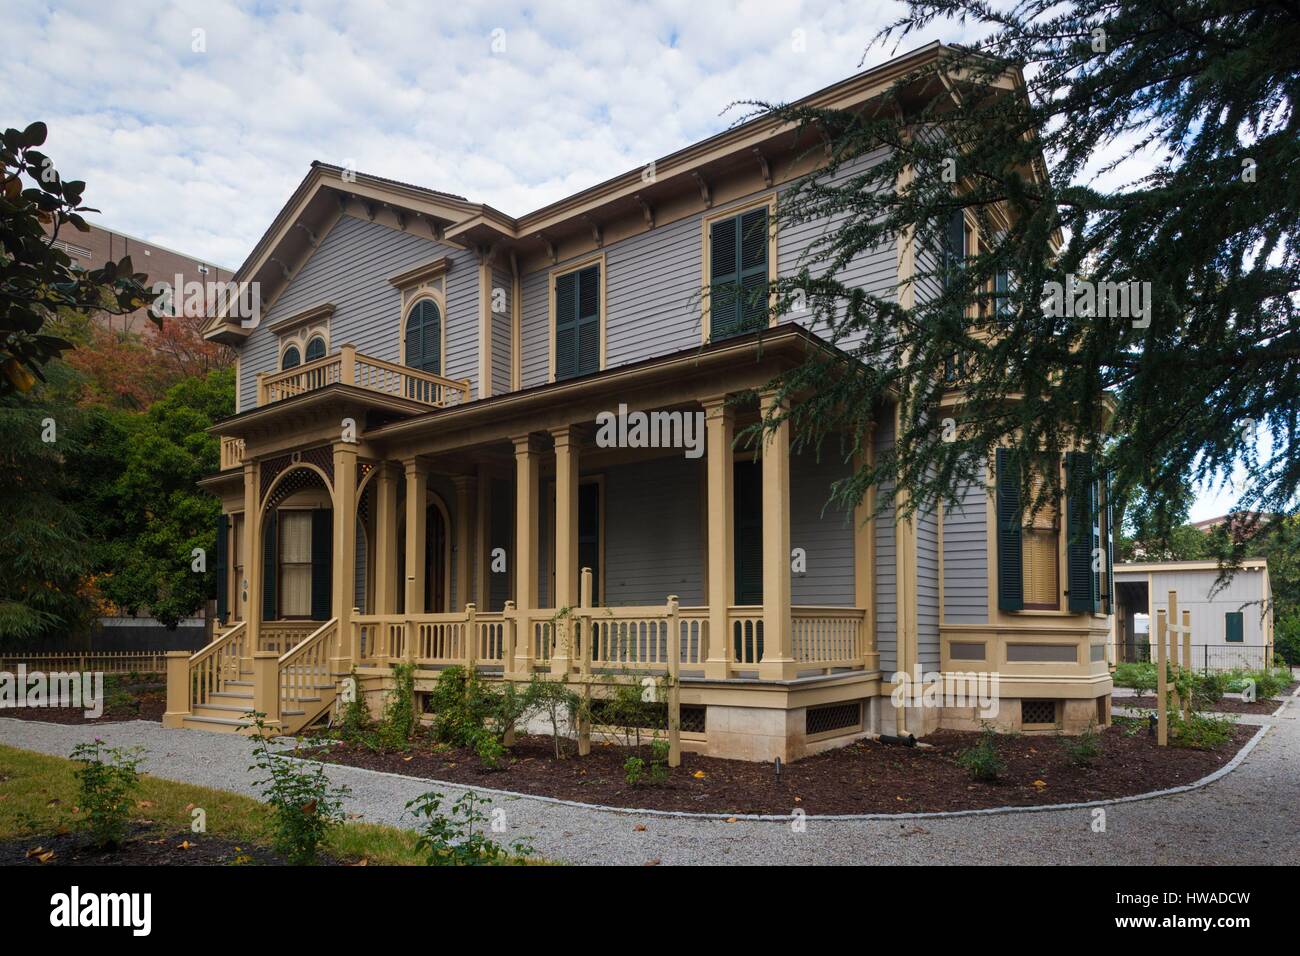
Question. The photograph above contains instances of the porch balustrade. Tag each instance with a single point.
(347, 367)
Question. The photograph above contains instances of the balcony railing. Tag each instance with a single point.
(232, 452)
(346, 367)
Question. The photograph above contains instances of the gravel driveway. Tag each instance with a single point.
(1248, 817)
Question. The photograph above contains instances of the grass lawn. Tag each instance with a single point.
(38, 796)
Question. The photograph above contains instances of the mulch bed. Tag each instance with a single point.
(866, 777)
(148, 705)
(1228, 705)
(145, 846)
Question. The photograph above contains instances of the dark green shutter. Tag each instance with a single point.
(1011, 579)
(748, 533)
(270, 568)
(220, 568)
(1083, 534)
(738, 274)
(322, 552)
(1233, 624)
(566, 326)
(1110, 549)
(424, 337)
(589, 534)
(588, 336)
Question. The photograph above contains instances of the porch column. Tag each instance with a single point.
(527, 515)
(482, 548)
(465, 534)
(416, 483)
(253, 569)
(720, 427)
(386, 539)
(345, 549)
(566, 538)
(778, 660)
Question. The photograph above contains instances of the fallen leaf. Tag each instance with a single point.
(189, 807)
(144, 804)
(698, 775)
(309, 808)
(35, 851)
(1040, 784)
(361, 862)
(731, 819)
(408, 759)
(654, 862)
(639, 828)
(185, 845)
(798, 799)
(46, 856)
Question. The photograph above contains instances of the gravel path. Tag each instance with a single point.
(1248, 817)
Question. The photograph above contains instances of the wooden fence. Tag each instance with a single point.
(106, 662)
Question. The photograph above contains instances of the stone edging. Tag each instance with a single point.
(1223, 771)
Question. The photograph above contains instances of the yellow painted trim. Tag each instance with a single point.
(552, 276)
(768, 198)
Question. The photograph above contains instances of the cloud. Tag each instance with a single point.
(193, 122)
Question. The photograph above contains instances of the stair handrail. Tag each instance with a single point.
(289, 684)
(200, 689)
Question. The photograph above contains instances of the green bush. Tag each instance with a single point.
(304, 807)
(1139, 675)
(107, 781)
(1286, 637)
(356, 725)
(398, 724)
(636, 770)
(469, 713)
(983, 762)
(457, 840)
(1208, 689)
(1083, 750)
(1199, 732)
(560, 705)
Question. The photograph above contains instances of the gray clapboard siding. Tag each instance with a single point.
(823, 530)
(535, 329)
(351, 269)
(965, 557)
(652, 293)
(461, 360)
(886, 559)
(653, 532)
(927, 589)
(875, 270)
(502, 340)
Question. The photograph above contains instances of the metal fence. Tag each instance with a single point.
(1207, 657)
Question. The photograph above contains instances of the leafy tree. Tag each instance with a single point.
(43, 557)
(1011, 130)
(156, 515)
(36, 277)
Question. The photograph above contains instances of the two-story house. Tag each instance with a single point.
(438, 429)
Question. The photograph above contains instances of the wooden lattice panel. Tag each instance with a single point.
(832, 717)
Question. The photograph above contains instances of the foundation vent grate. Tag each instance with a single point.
(833, 717)
(1038, 712)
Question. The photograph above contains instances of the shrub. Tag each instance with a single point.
(356, 725)
(1286, 637)
(457, 840)
(557, 702)
(1208, 689)
(983, 762)
(108, 780)
(1199, 732)
(399, 713)
(1084, 749)
(468, 713)
(1139, 675)
(304, 807)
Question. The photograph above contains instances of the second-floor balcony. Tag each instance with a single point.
(348, 367)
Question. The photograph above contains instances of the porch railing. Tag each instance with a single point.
(232, 452)
(346, 367)
(303, 675)
(282, 636)
(623, 638)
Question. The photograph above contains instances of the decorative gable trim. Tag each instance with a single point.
(317, 313)
(421, 274)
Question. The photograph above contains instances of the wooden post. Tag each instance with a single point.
(178, 688)
(719, 425)
(1172, 634)
(585, 638)
(508, 638)
(527, 518)
(266, 686)
(1187, 659)
(1162, 683)
(347, 364)
(778, 659)
(345, 551)
(566, 545)
(471, 637)
(674, 685)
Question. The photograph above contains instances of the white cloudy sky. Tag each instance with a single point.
(196, 144)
